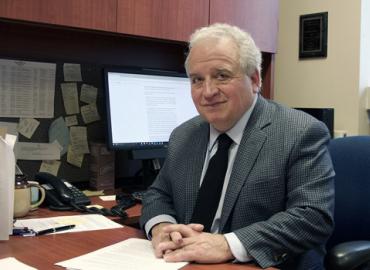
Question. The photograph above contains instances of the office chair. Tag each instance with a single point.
(349, 245)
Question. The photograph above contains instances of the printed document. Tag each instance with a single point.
(131, 254)
(27, 89)
(82, 222)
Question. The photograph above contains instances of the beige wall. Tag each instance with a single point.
(327, 82)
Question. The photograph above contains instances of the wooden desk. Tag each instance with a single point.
(42, 252)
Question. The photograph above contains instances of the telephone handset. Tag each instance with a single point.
(60, 194)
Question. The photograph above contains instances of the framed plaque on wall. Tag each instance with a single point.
(313, 35)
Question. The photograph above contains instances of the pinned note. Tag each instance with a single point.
(27, 126)
(79, 142)
(90, 113)
(72, 72)
(71, 120)
(88, 93)
(36, 151)
(74, 158)
(70, 98)
(50, 166)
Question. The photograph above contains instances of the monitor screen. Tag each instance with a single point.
(144, 106)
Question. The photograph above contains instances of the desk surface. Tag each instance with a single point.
(42, 252)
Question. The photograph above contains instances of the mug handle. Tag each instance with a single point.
(42, 191)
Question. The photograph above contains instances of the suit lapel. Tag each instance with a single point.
(196, 159)
(252, 141)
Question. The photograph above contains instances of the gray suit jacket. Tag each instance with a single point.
(280, 197)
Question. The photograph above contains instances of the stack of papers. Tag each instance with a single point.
(131, 254)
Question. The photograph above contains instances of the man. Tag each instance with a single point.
(276, 204)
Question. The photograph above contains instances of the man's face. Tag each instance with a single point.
(220, 90)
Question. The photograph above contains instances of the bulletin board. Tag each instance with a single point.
(92, 75)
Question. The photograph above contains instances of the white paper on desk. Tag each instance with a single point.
(7, 174)
(27, 89)
(131, 254)
(13, 264)
(83, 223)
(37, 151)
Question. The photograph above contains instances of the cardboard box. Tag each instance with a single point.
(101, 167)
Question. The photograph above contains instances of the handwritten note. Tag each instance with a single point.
(74, 158)
(27, 126)
(72, 72)
(79, 142)
(88, 93)
(50, 166)
(90, 113)
(70, 98)
(71, 120)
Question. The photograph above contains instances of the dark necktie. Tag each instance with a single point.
(210, 191)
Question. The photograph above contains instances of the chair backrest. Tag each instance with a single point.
(351, 160)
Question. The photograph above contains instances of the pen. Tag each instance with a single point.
(55, 229)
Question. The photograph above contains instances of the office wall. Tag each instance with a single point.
(333, 81)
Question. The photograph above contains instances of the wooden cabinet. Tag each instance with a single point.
(172, 20)
(258, 17)
(165, 19)
(91, 14)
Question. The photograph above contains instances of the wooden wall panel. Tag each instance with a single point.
(92, 14)
(258, 17)
(165, 19)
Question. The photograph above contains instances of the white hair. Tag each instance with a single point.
(249, 54)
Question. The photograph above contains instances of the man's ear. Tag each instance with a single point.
(256, 81)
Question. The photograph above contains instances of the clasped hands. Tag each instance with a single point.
(188, 243)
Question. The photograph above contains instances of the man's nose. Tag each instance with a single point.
(210, 88)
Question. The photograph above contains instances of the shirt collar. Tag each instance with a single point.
(236, 132)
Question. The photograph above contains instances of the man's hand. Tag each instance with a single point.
(189, 245)
(164, 241)
(159, 236)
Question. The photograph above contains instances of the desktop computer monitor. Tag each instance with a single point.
(325, 115)
(143, 108)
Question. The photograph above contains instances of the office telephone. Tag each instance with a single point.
(63, 196)
(60, 194)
